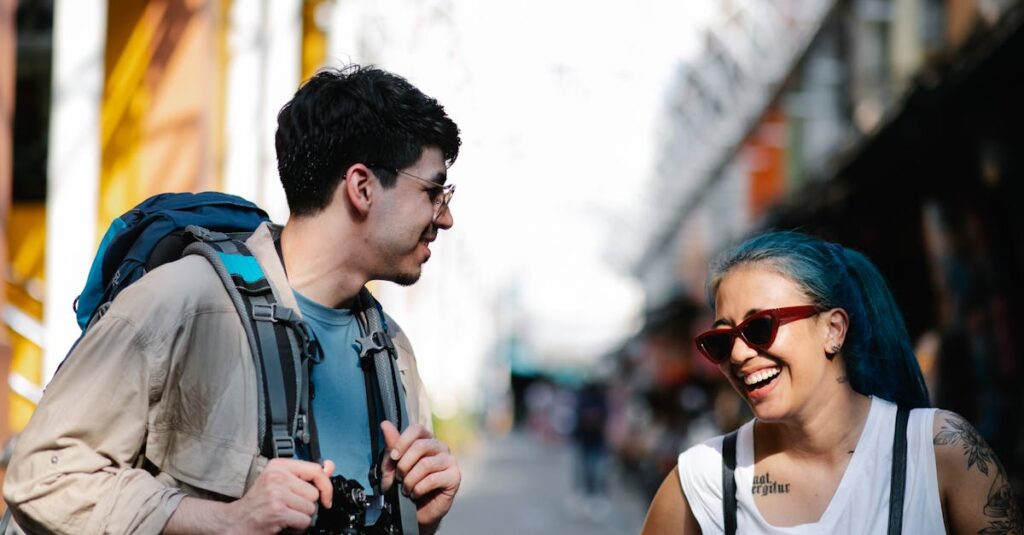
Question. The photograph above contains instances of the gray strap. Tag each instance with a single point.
(392, 395)
(283, 440)
(210, 254)
(273, 347)
(379, 345)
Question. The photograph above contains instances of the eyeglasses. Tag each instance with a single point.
(758, 331)
(440, 194)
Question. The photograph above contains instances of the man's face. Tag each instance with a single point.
(404, 222)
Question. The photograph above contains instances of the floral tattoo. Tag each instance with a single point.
(975, 448)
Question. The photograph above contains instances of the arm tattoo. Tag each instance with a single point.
(764, 485)
(977, 451)
(1000, 506)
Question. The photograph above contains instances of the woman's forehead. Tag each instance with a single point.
(756, 286)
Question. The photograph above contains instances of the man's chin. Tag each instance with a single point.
(406, 279)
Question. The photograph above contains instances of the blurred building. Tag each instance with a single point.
(105, 103)
(891, 126)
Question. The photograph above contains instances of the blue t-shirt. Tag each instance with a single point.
(339, 402)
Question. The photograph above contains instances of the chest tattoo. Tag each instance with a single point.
(765, 485)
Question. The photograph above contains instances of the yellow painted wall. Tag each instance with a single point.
(26, 239)
(160, 103)
(314, 38)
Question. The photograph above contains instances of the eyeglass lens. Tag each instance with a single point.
(756, 331)
(444, 196)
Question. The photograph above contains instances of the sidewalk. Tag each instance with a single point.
(518, 485)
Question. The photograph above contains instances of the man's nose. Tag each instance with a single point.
(444, 220)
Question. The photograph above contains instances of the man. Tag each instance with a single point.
(151, 424)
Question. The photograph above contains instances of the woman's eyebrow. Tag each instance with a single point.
(725, 321)
(720, 322)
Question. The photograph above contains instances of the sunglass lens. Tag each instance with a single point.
(717, 346)
(759, 331)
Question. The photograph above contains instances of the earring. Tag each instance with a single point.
(833, 351)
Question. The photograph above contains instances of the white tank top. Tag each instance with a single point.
(861, 502)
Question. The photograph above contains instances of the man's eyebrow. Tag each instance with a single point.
(440, 178)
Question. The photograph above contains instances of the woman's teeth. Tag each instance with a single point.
(761, 375)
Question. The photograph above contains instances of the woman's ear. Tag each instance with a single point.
(838, 324)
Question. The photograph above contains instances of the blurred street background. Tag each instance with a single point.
(610, 150)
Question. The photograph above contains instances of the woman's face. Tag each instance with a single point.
(793, 373)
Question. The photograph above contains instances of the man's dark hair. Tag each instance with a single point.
(355, 115)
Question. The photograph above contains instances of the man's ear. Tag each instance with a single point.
(356, 187)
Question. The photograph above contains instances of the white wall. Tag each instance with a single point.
(264, 64)
(79, 33)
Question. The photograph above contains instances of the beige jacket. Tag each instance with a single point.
(157, 402)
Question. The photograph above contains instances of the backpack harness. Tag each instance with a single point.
(213, 225)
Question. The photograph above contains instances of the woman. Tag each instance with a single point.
(808, 334)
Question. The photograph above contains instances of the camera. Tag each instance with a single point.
(355, 513)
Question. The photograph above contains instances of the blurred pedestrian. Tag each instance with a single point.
(842, 440)
(590, 441)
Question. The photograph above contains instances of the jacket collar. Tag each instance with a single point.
(261, 244)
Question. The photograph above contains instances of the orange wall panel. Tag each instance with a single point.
(766, 158)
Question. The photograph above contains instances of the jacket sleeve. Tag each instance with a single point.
(74, 467)
(416, 400)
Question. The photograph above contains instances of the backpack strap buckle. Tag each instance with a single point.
(374, 342)
(272, 313)
(284, 445)
(206, 235)
(264, 312)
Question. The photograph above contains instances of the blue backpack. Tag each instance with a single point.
(129, 248)
(215, 226)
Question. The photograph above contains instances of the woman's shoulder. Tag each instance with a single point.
(708, 450)
(959, 446)
(700, 476)
(700, 465)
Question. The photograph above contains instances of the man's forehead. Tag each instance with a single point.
(431, 165)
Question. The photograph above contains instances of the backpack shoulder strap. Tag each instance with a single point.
(282, 344)
(378, 358)
(898, 483)
(729, 482)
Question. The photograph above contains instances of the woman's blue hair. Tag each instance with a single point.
(877, 353)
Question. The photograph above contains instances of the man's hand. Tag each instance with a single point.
(283, 497)
(428, 472)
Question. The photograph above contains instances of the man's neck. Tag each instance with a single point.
(317, 268)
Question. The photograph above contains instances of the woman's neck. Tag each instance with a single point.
(830, 429)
